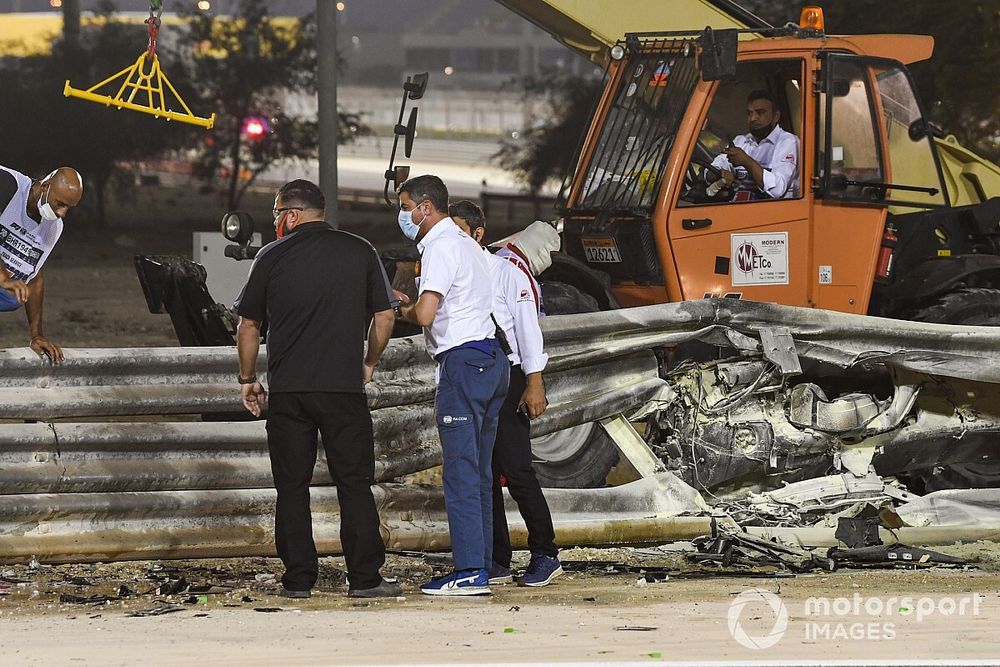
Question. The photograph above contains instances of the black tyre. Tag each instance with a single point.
(579, 457)
(582, 456)
(978, 306)
(564, 299)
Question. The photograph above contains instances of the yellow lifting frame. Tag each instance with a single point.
(133, 82)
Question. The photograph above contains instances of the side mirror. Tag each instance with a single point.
(408, 132)
(838, 182)
(397, 175)
(415, 88)
(922, 127)
(718, 54)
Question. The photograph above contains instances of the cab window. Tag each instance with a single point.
(728, 123)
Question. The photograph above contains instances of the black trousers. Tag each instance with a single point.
(346, 426)
(512, 459)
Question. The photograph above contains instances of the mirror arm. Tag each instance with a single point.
(389, 174)
(891, 186)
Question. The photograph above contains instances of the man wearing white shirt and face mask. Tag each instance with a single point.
(764, 163)
(455, 306)
(516, 306)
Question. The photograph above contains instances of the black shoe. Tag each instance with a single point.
(388, 588)
(284, 592)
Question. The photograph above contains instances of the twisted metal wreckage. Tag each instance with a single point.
(802, 417)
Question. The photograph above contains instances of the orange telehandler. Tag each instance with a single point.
(885, 218)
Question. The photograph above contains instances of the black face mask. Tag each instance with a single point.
(762, 133)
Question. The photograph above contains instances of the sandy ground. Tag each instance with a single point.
(587, 615)
(94, 299)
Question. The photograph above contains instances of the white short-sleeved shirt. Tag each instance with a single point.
(778, 154)
(516, 310)
(454, 266)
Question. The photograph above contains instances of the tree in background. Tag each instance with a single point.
(46, 130)
(562, 106)
(958, 85)
(244, 67)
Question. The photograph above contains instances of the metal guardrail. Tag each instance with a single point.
(173, 381)
(153, 456)
(135, 489)
(88, 527)
(522, 209)
(436, 150)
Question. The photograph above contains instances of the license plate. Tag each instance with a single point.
(603, 251)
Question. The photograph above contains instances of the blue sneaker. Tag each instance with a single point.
(500, 574)
(541, 570)
(460, 582)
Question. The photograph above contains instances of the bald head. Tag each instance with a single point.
(62, 189)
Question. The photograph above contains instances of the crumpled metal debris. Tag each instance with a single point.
(727, 549)
(807, 502)
(159, 610)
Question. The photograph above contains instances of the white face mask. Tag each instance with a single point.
(409, 228)
(45, 209)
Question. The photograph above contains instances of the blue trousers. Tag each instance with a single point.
(7, 301)
(471, 388)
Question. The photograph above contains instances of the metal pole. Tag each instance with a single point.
(71, 24)
(326, 23)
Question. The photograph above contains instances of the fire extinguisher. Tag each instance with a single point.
(883, 270)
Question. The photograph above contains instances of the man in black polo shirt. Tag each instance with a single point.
(317, 287)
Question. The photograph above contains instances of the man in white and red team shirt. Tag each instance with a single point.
(31, 214)
(516, 309)
(530, 250)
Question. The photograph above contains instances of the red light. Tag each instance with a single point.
(255, 127)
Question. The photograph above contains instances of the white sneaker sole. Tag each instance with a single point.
(502, 580)
(457, 592)
(555, 573)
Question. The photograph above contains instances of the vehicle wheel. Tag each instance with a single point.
(972, 307)
(564, 299)
(579, 457)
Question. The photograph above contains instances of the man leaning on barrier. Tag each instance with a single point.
(317, 287)
(31, 222)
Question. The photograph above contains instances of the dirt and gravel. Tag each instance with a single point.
(231, 614)
(227, 611)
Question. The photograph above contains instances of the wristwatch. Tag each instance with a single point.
(249, 380)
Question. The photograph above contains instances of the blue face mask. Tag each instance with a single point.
(409, 228)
